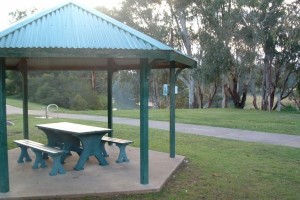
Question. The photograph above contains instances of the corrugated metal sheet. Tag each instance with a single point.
(74, 26)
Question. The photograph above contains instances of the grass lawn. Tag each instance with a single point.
(274, 122)
(214, 168)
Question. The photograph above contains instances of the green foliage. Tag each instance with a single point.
(227, 37)
(298, 88)
(91, 101)
(216, 59)
(13, 83)
(78, 103)
(145, 16)
(46, 94)
(289, 108)
(101, 102)
(66, 89)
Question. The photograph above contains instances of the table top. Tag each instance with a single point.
(73, 128)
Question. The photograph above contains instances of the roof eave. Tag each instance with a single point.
(183, 59)
(166, 56)
(82, 53)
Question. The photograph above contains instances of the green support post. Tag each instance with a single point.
(172, 109)
(109, 100)
(144, 140)
(25, 98)
(4, 176)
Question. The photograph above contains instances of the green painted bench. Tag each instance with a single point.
(120, 143)
(39, 149)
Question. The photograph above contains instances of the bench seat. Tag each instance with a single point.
(39, 149)
(120, 143)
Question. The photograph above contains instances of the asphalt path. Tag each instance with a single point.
(227, 133)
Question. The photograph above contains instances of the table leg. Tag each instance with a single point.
(122, 155)
(64, 141)
(57, 166)
(70, 144)
(102, 146)
(54, 140)
(91, 147)
(39, 161)
(24, 154)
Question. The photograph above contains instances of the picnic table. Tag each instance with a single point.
(83, 139)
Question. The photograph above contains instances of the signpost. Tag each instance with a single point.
(166, 89)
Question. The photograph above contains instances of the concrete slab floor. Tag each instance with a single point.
(94, 180)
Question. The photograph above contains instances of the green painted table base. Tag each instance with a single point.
(91, 147)
(24, 155)
(39, 161)
(57, 167)
(122, 155)
(120, 143)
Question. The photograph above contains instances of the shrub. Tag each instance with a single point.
(13, 83)
(78, 103)
(102, 102)
(96, 102)
(66, 89)
(289, 108)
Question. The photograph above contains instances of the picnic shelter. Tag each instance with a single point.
(71, 36)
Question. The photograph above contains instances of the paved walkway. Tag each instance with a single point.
(227, 133)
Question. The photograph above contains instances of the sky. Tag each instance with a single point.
(13, 5)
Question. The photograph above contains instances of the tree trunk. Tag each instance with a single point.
(188, 80)
(155, 97)
(272, 97)
(191, 92)
(183, 30)
(179, 16)
(224, 96)
(269, 49)
(278, 104)
(253, 91)
(254, 101)
(235, 95)
(212, 93)
(93, 79)
(264, 96)
(244, 97)
(199, 94)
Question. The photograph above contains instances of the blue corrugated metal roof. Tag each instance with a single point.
(71, 25)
